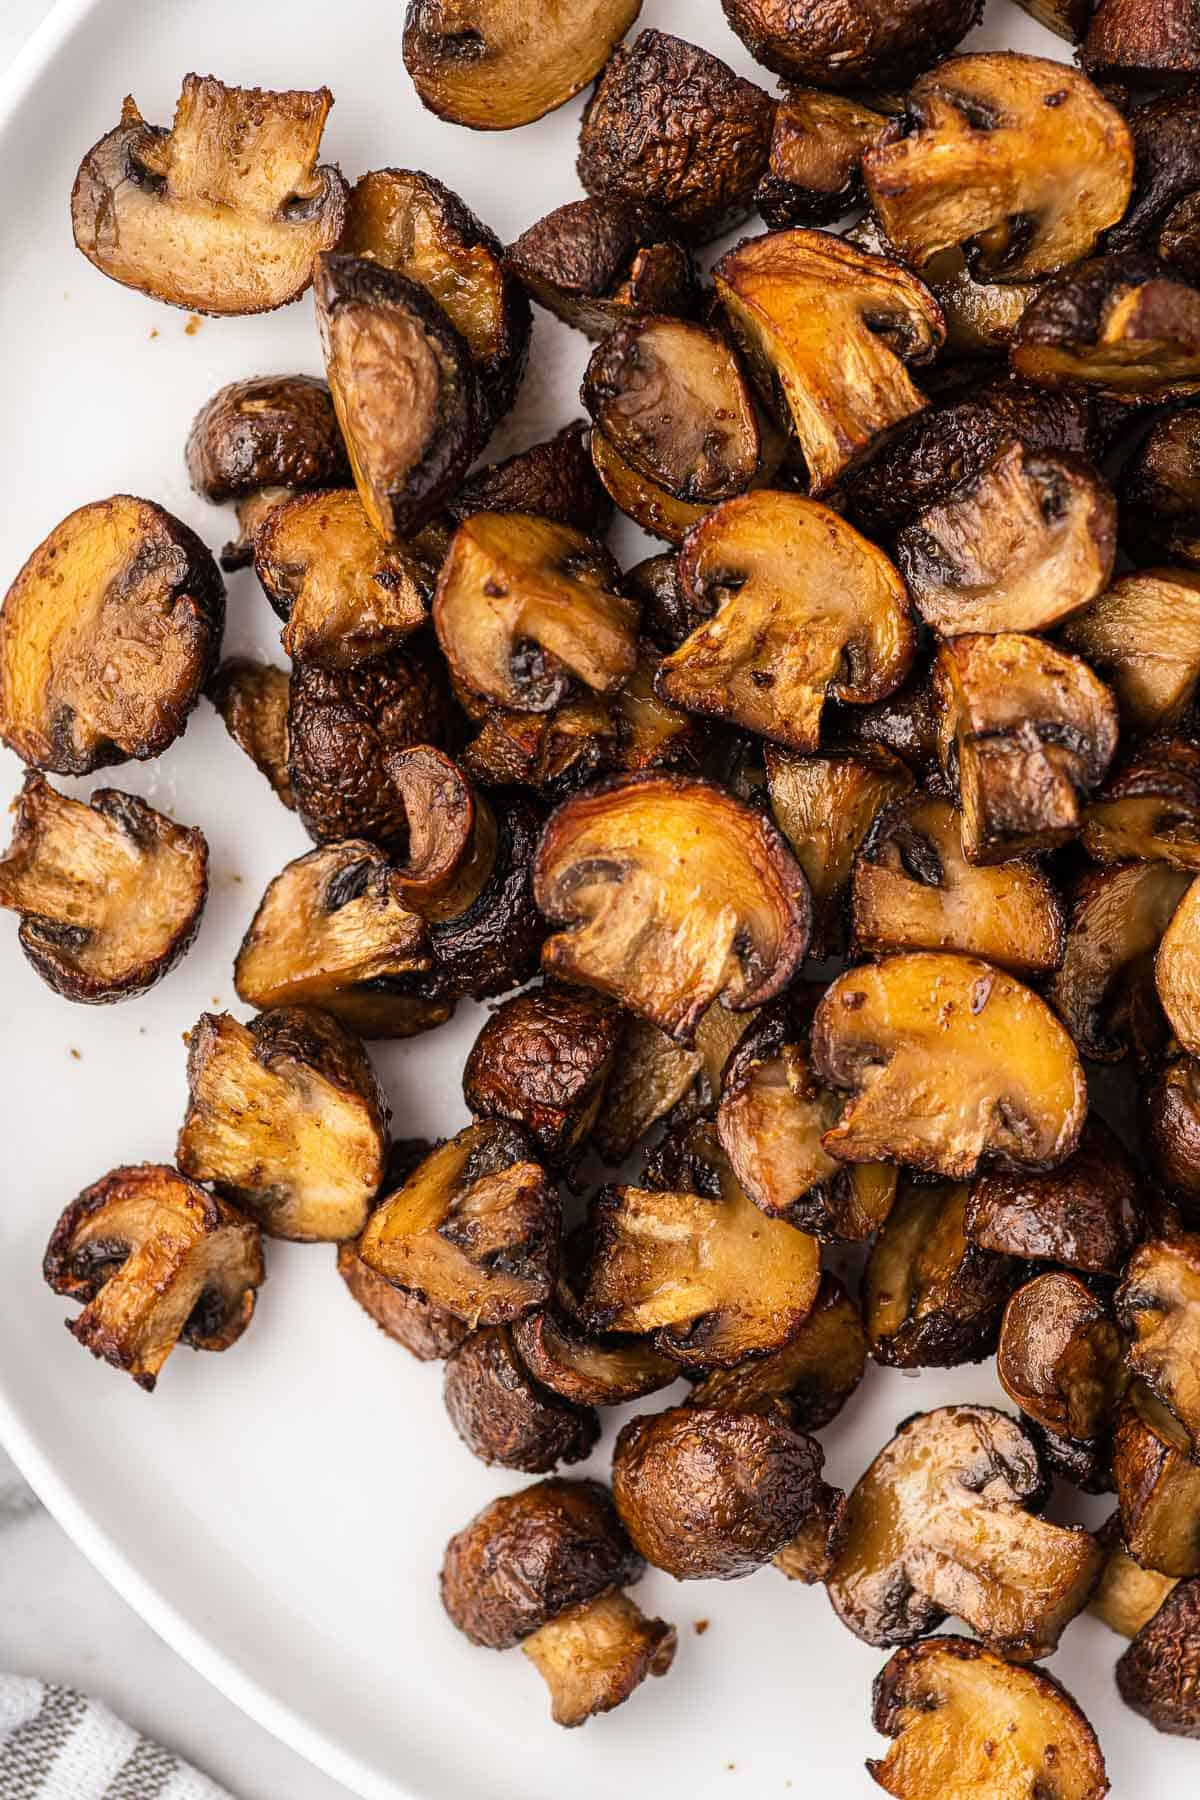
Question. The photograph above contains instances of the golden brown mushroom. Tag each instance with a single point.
(1127, 1596)
(504, 1417)
(1067, 18)
(1177, 971)
(597, 262)
(1104, 989)
(271, 431)
(253, 700)
(453, 834)
(155, 1261)
(1086, 1214)
(814, 171)
(1158, 1487)
(1158, 1304)
(1124, 325)
(1143, 637)
(109, 891)
(107, 637)
(811, 1378)
(428, 1332)
(876, 41)
(652, 507)
(1172, 1121)
(1149, 810)
(224, 213)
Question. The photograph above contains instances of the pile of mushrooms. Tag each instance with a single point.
(910, 683)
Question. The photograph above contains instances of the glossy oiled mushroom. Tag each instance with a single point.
(945, 1522)
(646, 502)
(805, 610)
(429, 1333)
(546, 1568)
(493, 65)
(271, 431)
(109, 891)
(1149, 810)
(287, 1119)
(1172, 1121)
(154, 1261)
(1158, 1487)
(913, 889)
(875, 42)
(1160, 490)
(107, 637)
(1087, 1214)
(502, 1414)
(590, 1371)
(224, 213)
(489, 944)
(599, 261)
(1060, 1358)
(949, 1061)
(966, 1722)
(673, 895)
(827, 331)
(1122, 324)
(453, 835)
(1023, 544)
(1143, 637)
(671, 126)
(1177, 971)
(553, 752)
(1018, 158)
(811, 1378)
(474, 1228)
(651, 1074)
(553, 478)
(814, 171)
(1158, 1304)
(1025, 732)
(1104, 989)
(253, 700)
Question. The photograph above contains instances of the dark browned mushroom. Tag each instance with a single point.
(554, 479)
(109, 891)
(1160, 493)
(270, 431)
(253, 699)
(1060, 1359)
(1172, 1108)
(1177, 971)
(542, 1061)
(504, 1417)
(492, 944)
(904, 725)
(1159, 1674)
(154, 1261)
(1124, 325)
(1166, 144)
(1143, 44)
(552, 752)
(880, 42)
(252, 513)
(1149, 810)
(599, 261)
(428, 1332)
(1087, 1214)
(590, 1371)
(1158, 1487)
(1143, 637)
(814, 171)
(650, 1076)
(811, 1378)
(1105, 987)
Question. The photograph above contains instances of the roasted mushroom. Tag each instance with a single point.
(1127, 1596)
(673, 895)
(589, 1371)
(474, 1228)
(1067, 18)
(332, 930)
(671, 126)
(554, 479)
(1159, 1674)
(905, 725)
(491, 944)
(542, 1061)
(252, 699)
(944, 1522)
(827, 331)
(545, 1568)
(1023, 544)
(224, 213)
(1025, 732)
(1018, 159)
(1059, 1358)
(1173, 1132)
(1104, 989)
(932, 1299)
(651, 1074)
(453, 834)
(805, 609)
(1122, 324)
(712, 1493)
(287, 1119)
(407, 393)
(1143, 637)
(949, 1061)
(503, 1416)
(1085, 1215)
(271, 431)
(554, 753)
(967, 1722)
(1158, 1488)
(881, 41)
(252, 513)
(811, 1378)
(155, 1261)
(426, 1331)
(1149, 810)
(109, 891)
(597, 262)
(1160, 492)
(1142, 44)
(107, 637)
(1177, 971)
(652, 507)
(814, 171)
(1158, 1304)
(913, 889)
(492, 65)
(703, 1271)
(524, 606)
(1161, 217)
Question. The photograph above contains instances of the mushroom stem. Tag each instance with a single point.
(593, 1656)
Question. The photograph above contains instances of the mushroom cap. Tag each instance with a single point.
(264, 432)
(1086, 1214)
(598, 261)
(1158, 1304)
(874, 42)
(503, 1416)
(1159, 1674)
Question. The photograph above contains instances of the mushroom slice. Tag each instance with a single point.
(1141, 44)
(674, 895)
(109, 891)
(345, 594)
(1104, 989)
(502, 1415)
(544, 1568)
(1158, 1487)
(944, 1522)
(905, 725)
(650, 1075)
(597, 262)
(1017, 158)
(771, 1121)
(1086, 1214)
(332, 930)
(107, 637)
(590, 1371)
(967, 1722)
(1160, 491)
(827, 330)
(981, 316)
(554, 479)
(652, 507)
(474, 1228)
(542, 1061)
(1158, 1303)
(1159, 1674)
(950, 1061)
(524, 605)
(452, 834)
(492, 945)
(1173, 1131)
(671, 399)
(491, 65)
(811, 1378)
(287, 1119)
(426, 1331)
(552, 752)
(805, 609)
(1177, 971)
(1059, 1357)
(1127, 1596)
(1149, 811)
(671, 126)
(271, 431)
(1023, 544)
(226, 212)
(913, 889)
(1143, 637)
(882, 41)
(814, 171)
(1025, 732)
(650, 734)
(931, 1298)
(407, 394)
(1122, 324)
(253, 700)
(711, 1494)
(155, 1261)
(712, 1279)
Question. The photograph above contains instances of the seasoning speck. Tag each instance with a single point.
(193, 325)
(153, 332)
(77, 1054)
(700, 1627)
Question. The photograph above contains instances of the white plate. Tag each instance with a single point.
(278, 1513)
